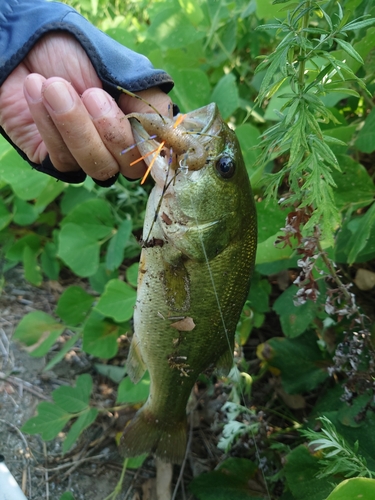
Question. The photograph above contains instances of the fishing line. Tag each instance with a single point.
(257, 452)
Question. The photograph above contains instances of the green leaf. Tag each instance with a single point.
(73, 196)
(115, 250)
(100, 336)
(170, 28)
(225, 94)
(366, 138)
(271, 218)
(50, 192)
(5, 215)
(67, 496)
(49, 262)
(300, 470)
(294, 319)
(136, 462)
(26, 183)
(267, 252)
(73, 305)
(348, 48)
(74, 399)
(15, 252)
(24, 213)
(38, 331)
(356, 25)
(361, 236)
(259, 294)
(249, 137)
(82, 422)
(230, 481)
(94, 216)
(133, 393)
(267, 10)
(360, 488)
(345, 237)
(193, 12)
(51, 419)
(117, 301)
(185, 80)
(31, 266)
(80, 251)
(132, 274)
(99, 280)
(299, 360)
(60, 355)
(348, 414)
(115, 373)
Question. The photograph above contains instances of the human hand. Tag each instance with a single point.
(53, 103)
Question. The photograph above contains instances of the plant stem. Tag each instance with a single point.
(333, 273)
(302, 52)
(118, 487)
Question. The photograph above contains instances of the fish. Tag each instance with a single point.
(199, 244)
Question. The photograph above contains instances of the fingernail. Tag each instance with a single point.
(58, 96)
(33, 87)
(97, 103)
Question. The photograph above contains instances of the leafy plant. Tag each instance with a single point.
(73, 403)
(338, 456)
(305, 120)
(305, 66)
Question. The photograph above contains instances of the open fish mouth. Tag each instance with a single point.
(180, 143)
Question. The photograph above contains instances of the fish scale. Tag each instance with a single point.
(196, 263)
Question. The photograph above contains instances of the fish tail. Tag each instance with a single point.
(147, 434)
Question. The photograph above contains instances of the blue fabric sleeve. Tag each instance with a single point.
(24, 22)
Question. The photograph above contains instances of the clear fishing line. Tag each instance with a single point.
(257, 453)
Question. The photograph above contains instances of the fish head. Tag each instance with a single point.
(202, 195)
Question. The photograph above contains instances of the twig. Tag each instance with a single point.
(4, 346)
(27, 448)
(132, 484)
(46, 470)
(65, 466)
(333, 273)
(183, 465)
(23, 384)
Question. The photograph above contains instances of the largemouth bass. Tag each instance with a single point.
(199, 242)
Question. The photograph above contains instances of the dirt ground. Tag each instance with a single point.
(39, 468)
(92, 469)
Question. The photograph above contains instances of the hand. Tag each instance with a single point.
(42, 112)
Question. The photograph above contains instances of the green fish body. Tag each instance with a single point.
(199, 243)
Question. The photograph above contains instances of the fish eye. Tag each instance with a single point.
(226, 167)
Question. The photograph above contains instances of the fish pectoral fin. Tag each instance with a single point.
(135, 366)
(225, 363)
(176, 286)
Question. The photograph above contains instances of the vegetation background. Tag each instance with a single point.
(295, 80)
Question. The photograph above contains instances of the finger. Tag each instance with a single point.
(160, 101)
(77, 130)
(50, 140)
(115, 130)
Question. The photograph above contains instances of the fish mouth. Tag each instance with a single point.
(175, 144)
